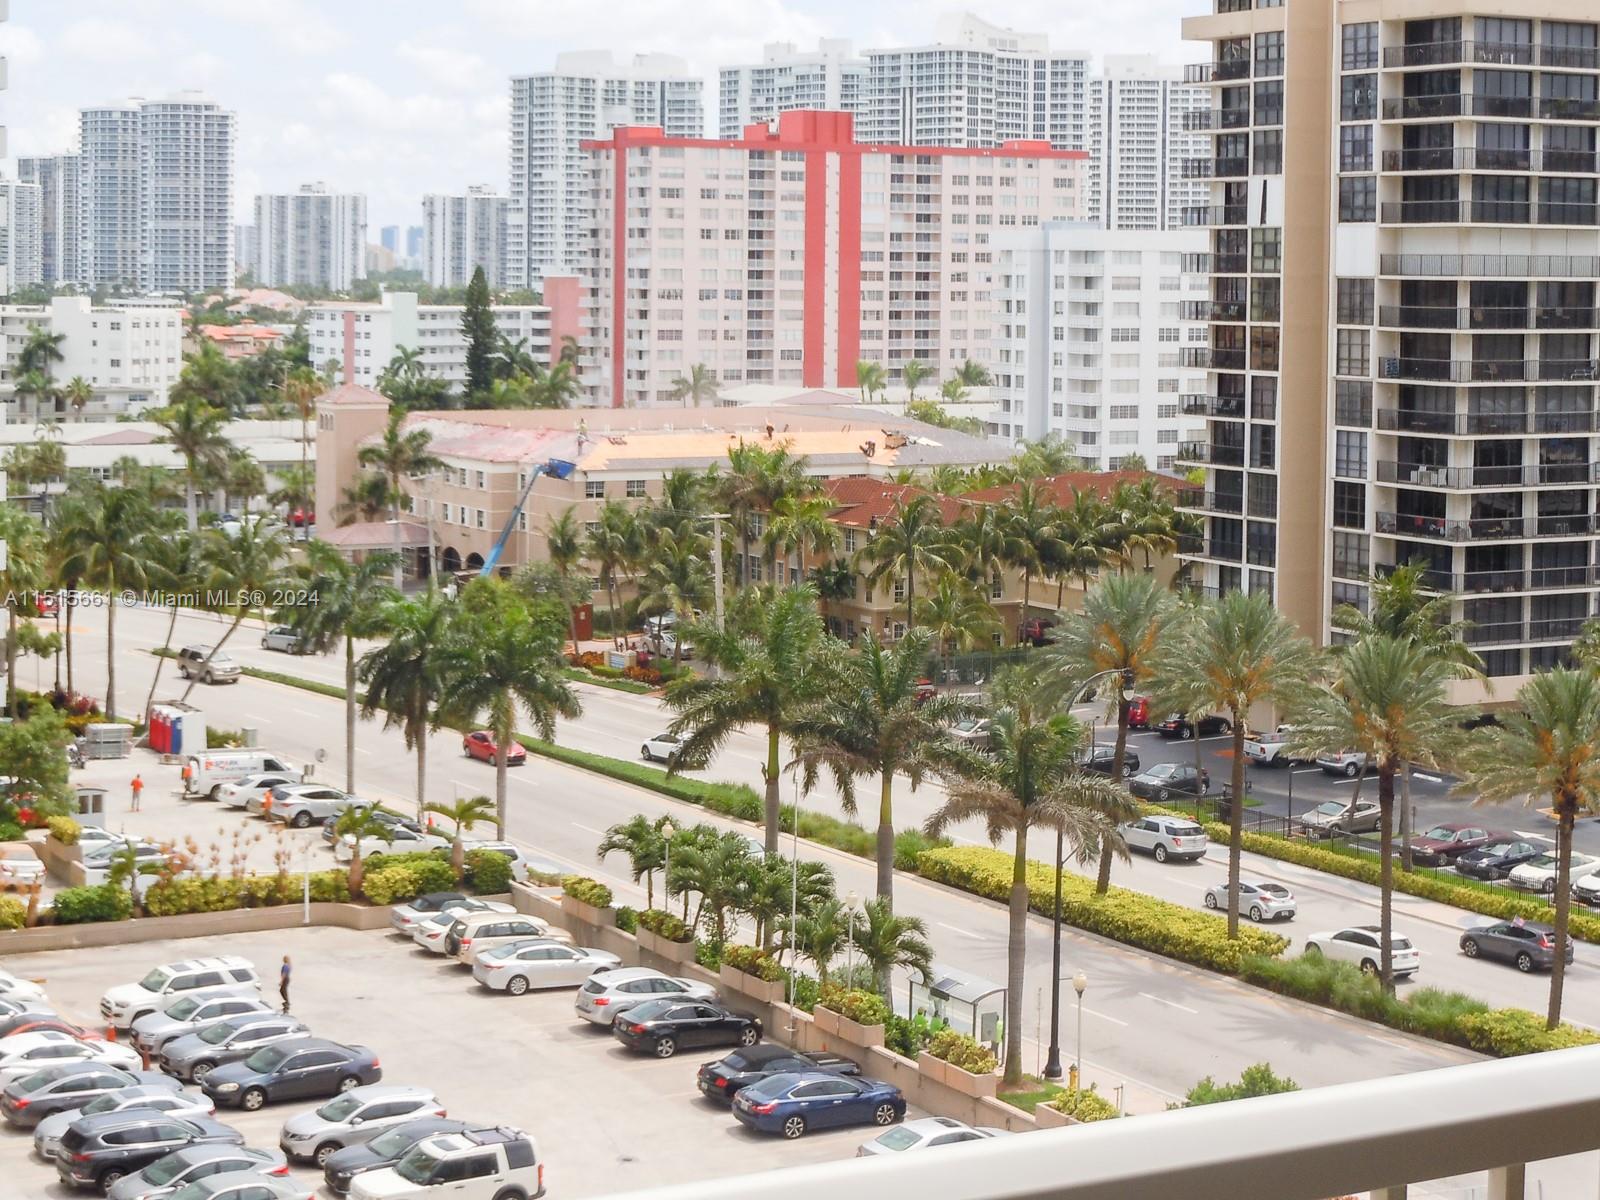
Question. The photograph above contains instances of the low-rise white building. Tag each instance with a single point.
(130, 353)
(1090, 326)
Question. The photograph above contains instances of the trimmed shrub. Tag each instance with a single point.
(170, 897)
(488, 872)
(81, 905)
(959, 1050)
(13, 913)
(665, 925)
(587, 891)
(1085, 1105)
(708, 955)
(12, 831)
(908, 1035)
(64, 829)
(1511, 1031)
(221, 739)
(382, 861)
(909, 843)
(753, 960)
(627, 919)
(395, 883)
(1257, 1080)
(1186, 934)
(854, 1004)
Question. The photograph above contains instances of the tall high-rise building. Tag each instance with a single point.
(586, 96)
(463, 233)
(787, 78)
(57, 177)
(414, 242)
(389, 238)
(1403, 313)
(185, 194)
(311, 237)
(245, 259)
(1142, 144)
(108, 196)
(19, 235)
(978, 85)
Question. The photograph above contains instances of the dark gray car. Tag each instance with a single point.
(194, 1055)
(183, 1167)
(388, 1148)
(1527, 945)
(65, 1086)
(98, 1151)
(294, 1069)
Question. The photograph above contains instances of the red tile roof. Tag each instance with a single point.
(864, 501)
(1063, 488)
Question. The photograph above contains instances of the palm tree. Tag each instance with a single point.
(1049, 456)
(798, 524)
(22, 576)
(718, 869)
(974, 374)
(243, 567)
(1028, 780)
(1033, 536)
(677, 581)
(296, 486)
(958, 613)
(871, 722)
(913, 374)
(871, 379)
(774, 885)
(700, 384)
(1242, 653)
(886, 941)
(640, 839)
(401, 674)
(36, 363)
(1145, 521)
(210, 377)
(170, 565)
(193, 426)
(1546, 746)
(301, 388)
(104, 536)
(1118, 633)
(554, 387)
(757, 478)
(610, 545)
(952, 390)
(240, 476)
(767, 672)
(397, 456)
(367, 499)
(77, 392)
(357, 822)
(499, 658)
(1388, 700)
(462, 815)
(818, 933)
(1086, 538)
(564, 544)
(911, 542)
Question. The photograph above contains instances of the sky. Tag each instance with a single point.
(396, 98)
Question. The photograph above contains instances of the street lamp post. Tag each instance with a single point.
(850, 902)
(666, 862)
(1080, 983)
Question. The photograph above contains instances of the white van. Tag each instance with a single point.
(209, 770)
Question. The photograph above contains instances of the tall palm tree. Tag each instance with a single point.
(886, 941)
(698, 385)
(210, 377)
(397, 456)
(913, 374)
(1241, 653)
(818, 933)
(640, 839)
(193, 426)
(681, 507)
(910, 543)
(1050, 455)
(555, 387)
(796, 525)
(1118, 633)
(401, 674)
(1546, 746)
(974, 374)
(610, 545)
(871, 722)
(35, 365)
(1087, 537)
(296, 486)
(1033, 536)
(757, 478)
(24, 575)
(564, 545)
(500, 659)
(1388, 700)
(462, 815)
(359, 822)
(239, 476)
(768, 673)
(871, 379)
(958, 613)
(677, 580)
(301, 388)
(170, 565)
(1145, 521)
(1029, 780)
(77, 392)
(243, 568)
(367, 499)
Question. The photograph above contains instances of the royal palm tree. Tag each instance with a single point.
(913, 374)
(301, 388)
(1545, 747)
(1049, 456)
(1086, 539)
(401, 673)
(911, 542)
(1388, 700)
(677, 581)
(1145, 521)
(871, 722)
(557, 386)
(238, 476)
(170, 568)
(242, 568)
(358, 822)
(640, 839)
(798, 525)
(700, 384)
(36, 362)
(757, 478)
(886, 941)
(462, 815)
(768, 673)
(1033, 536)
(24, 575)
(871, 379)
(718, 869)
(564, 544)
(192, 426)
(397, 456)
(974, 374)
(501, 659)
(1240, 653)
(952, 390)
(958, 613)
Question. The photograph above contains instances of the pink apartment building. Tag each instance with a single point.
(790, 254)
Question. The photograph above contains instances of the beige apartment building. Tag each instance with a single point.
(1404, 245)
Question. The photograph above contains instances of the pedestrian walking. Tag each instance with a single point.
(283, 982)
(138, 790)
(188, 777)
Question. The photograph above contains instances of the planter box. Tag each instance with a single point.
(602, 918)
(826, 1019)
(844, 1027)
(1049, 1118)
(930, 1068)
(754, 987)
(968, 1084)
(677, 952)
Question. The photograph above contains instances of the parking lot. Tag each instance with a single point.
(605, 1119)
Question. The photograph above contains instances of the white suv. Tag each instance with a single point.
(195, 978)
(480, 1164)
(1166, 837)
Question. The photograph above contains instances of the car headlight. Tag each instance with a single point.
(227, 1087)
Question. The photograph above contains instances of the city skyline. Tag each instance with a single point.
(334, 94)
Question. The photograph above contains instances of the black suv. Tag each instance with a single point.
(1102, 757)
(99, 1150)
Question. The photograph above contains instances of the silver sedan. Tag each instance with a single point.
(518, 967)
(1259, 899)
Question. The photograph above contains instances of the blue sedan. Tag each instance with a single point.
(797, 1101)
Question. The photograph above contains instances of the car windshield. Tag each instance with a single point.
(417, 1166)
(268, 1058)
(389, 1144)
(1329, 808)
(1273, 889)
(156, 980)
(966, 726)
(1163, 771)
(163, 1170)
(100, 1104)
(1546, 860)
(1496, 848)
(181, 1010)
(33, 1082)
(340, 1108)
(215, 1035)
(899, 1139)
(1441, 833)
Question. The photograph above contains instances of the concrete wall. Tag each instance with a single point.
(190, 925)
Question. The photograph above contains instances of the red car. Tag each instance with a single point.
(302, 516)
(1138, 712)
(479, 744)
(45, 604)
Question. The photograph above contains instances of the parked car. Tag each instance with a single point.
(1337, 816)
(1586, 888)
(196, 1055)
(1166, 837)
(1179, 725)
(211, 770)
(191, 979)
(383, 816)
(600, 999)
(971, 732)
(19, 990)
(1259, 899)
(303, 804)
(403, 918)
(479, 1164)
(292, 1070)
(793, 1103)
(521, 966)
(182, 1167)
(474, 929)
(662, 747)
(147, 1097)
(926, 1133)
(285, 640)
(24, 1054)
(1359, 944)
(1495, 858)
(1538, 874)
(384, 1150)
(1103, 758)
(662, 1027)
(12, 1008)
(20, 866)
(480, 744)
(53, 1089)
(723, 1078)
(1271, 749)
(97, 867)
(193, 664)
(1527, 945)
(31, 1021)
(1348, 763)
(243, 1185)
(301, 517)
(239, 795)
(522, 863)
(1443, 844)
(1161, 781)
(98, 1151)
(433, 933)
(190, 1015)
(399, 840)
(356, 1116)
(669, 645)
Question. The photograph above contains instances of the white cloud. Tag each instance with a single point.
(295, 25)
(103, 41)
(450, 68)
(20, 45)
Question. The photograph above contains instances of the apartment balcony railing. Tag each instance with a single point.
(1490, 266)
(1209, 453)
(1466, 316)
(1470, 158)
(1216, 118)
(1495, 477)
(1446, 370)
(1535, 579)
(1214, 72)
(1215, 502)
(1215, 264)
(1233, 167)
(1216, 215)
(1199, 405)
(1458, 50)
(1485, 529)
(1212, 310)
(1400, 108)
(1568, 108)
(1486, 424)
(1209, 358)
(1504, 632)
(1487, 212)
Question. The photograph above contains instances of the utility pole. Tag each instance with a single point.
(716, 573)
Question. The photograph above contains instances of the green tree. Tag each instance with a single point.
(33, 763)
(564, 544)
(641, 841)
(170, 569)
(301, 388)
(367, 499)
(797, 525)
(718, 869)
(1033, 536)
(24, 576)
(357, 823)
(818, 933)
(193, 427)
(886, 941)
(243, 568)
(767, 673)
(974, 374)
(462, 815)
(774, 885)
(401, 673)
(611, 545)
(910, 543)
(699, 385)
(77, 392)
(677, 581)
(913, 374)
(397, 456)
(871, 379)
(958, 613)
(1257, 1080)
(1049, 456)
(482, 337)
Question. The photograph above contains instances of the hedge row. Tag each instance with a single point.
(1087, 1105)
(962, 1051)
(587, 891)
(1190, 935)
(172, 897)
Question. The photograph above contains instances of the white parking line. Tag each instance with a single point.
(1428, 778)
(1304, 770)
(965, 932)
(1194, 1012)
(1104, 1017)
(588, 828)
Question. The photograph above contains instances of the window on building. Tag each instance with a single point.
(1266, 249)
(1353, 352)
(1355, 147)
(635, 489)
(1350, 555)
(1359, 46)
(1269, 53)
(1358, 98)
(1267, 152)
(1349, 505)
(1358, 198)
(1350, 454)
(1354, 305)
(594, 489)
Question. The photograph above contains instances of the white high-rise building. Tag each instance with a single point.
(552, 113)
(130, 353)
(185, 194)
(978, 85)
(19, 235)
(1139, 147)
(108, 196)
(463, 233)
(829, 77)
(244, 249)
(57, 177)
(1089, 333)
(311, 237)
